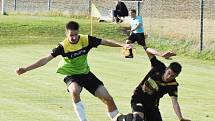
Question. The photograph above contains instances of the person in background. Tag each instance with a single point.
(136, 31)
(120, 12)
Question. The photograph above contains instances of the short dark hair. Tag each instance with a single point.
(176, 67)
(133, 11)
(72, 25)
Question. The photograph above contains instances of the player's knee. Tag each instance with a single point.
(75, 96)
(74, 93)
(142, 43)
(137, 118)
(128, 42)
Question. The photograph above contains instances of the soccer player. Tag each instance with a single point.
(74, 50)
(159, 81)
(136, 32)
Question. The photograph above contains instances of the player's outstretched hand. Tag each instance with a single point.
(20, 71)
(168, 54)
(184, 119)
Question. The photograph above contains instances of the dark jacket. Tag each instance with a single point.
(121, 9)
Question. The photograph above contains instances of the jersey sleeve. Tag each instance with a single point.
(57, 51)
(173, 91)
(94, 41)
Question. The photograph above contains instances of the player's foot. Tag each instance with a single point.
(121, 118)
(129, 56)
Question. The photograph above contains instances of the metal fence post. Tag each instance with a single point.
(14, 3)
(49, 5)
(2, 8)
(201, 23)
(138, 8)
(90, 7)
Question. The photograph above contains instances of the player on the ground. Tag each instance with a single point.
(159, 81)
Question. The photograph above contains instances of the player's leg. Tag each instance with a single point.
(141, 40)
(95, 87)
(136, 116)
(130, 40)
(74, 90)
(153, 114)
(113, 15)
(157, 115)
(128, 117)
(103, 94)
(138, 108)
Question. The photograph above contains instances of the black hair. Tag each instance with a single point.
(72, 25)
(133, 11)
(176, 67)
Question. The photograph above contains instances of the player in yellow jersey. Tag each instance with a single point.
(74, 50)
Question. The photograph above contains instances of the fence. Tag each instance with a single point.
(174, 19)
(75, 7)
(180, 19)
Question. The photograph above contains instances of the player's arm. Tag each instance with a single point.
(153, 52)
(177, 109)
(37, 64)
(94, 42)
(42, 61)
(112, 43)
(136, 27)
(139, 23)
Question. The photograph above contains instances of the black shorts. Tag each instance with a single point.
(144, 103)
(152, 115)
(89, 81)
(137, 104)
(139, 37)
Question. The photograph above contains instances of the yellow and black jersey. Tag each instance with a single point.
(75, 55)
(158, 69)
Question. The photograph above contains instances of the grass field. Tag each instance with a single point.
(41, 95)
(49, 30)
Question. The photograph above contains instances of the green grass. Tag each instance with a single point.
(46, 30)
(41, 95)
(185, 48)
(50, 30)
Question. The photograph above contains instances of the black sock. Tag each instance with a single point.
(131, 52)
